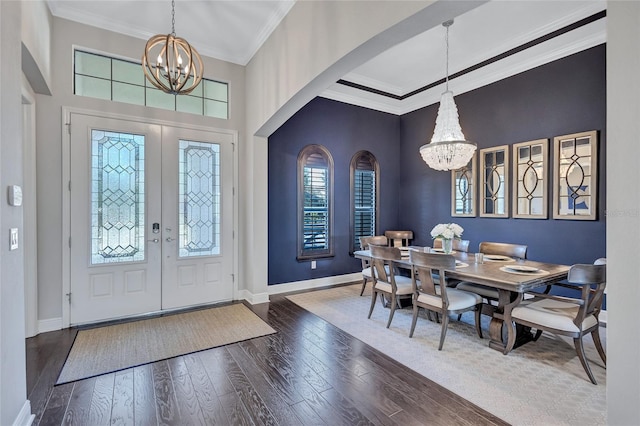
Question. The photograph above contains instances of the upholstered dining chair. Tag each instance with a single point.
(439, 298)
(516, 251)
(399, 238)
(458, 245)
(386, 280)
(573, 317)
(377, 240)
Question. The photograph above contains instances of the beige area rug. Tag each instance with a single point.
(540, 383)
(111, 348)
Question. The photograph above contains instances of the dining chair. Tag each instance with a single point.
(439, 298)
(399, 238)
(458, 245)
(386, 279)
(517, 251)
(567, 316)
(378, 240)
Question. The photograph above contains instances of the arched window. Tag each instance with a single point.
(364, 171)
(315, 203)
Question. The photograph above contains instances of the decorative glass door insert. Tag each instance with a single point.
(117, 197)
(199, 199)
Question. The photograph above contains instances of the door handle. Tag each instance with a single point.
(155, 240)
(169, 239)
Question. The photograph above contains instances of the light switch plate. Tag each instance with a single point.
(13, 240)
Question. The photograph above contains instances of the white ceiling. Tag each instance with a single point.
(233, 30)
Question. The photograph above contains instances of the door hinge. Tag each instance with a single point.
(68, 127)
(233, 191)
(68, 296)
(69, 242)
(69, 185)
(233, 278)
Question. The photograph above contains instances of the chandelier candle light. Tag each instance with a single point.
(448, 149)
(178, 67)
(447, 232)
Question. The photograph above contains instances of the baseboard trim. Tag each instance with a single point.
(253, 299)
(314, 283)
(51, 324)
(25, 418)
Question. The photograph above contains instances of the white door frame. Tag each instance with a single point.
(29, 210)
(66, 195)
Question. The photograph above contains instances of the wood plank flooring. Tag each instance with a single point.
(309, 373)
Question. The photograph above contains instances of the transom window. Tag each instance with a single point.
(364, 172)
(315, 203)
(104, 77)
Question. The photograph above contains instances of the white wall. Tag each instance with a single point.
(12, 346)
(36, 41)
(67, 34)
(623, 212)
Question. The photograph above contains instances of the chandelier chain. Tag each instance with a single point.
(447, 56)
(173, 19)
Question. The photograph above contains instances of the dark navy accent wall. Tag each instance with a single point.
(563, 97)
(344, 130)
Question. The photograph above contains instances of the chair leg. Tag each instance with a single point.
(478, 314)
(393, 309)
(595, 334)
(577, 342)
(364, 284)
(443, 333)
(374, 296)
(414, 320)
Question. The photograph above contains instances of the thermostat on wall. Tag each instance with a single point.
(15, 195)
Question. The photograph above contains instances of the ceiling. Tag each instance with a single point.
(235, 30)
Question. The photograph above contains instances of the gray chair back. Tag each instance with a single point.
(504, 249)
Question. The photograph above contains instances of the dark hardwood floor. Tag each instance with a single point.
(308, 373)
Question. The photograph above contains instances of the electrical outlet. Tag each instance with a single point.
(13, 240)
(313, 264)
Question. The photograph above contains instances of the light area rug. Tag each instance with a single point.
(540, 383)
(116, 347)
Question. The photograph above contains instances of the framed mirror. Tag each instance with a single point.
(530, 179)
(463, 189)
(575, 176)
(494, 182)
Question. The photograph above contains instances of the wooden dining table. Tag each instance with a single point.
(511, 285)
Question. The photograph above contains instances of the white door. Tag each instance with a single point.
(143, 214)
(197, 215)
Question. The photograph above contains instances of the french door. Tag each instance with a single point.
(151, 218)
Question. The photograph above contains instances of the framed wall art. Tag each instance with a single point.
(575, 176)
(463, 190)
(530, 180)
(494, 182)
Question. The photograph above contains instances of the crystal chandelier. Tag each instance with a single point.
(178, 67)
(448, 149)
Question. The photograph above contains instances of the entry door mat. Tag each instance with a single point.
(117, 347)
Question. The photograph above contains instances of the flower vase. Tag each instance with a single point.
(447, 245)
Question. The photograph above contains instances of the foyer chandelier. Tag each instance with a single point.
(448, 149)
(170, 63)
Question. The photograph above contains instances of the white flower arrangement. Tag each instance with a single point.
(447, 231)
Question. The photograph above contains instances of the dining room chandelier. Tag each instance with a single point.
(170, 63)
(448, 149)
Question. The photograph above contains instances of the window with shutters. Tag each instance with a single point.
(364, 172)
(315, 203)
